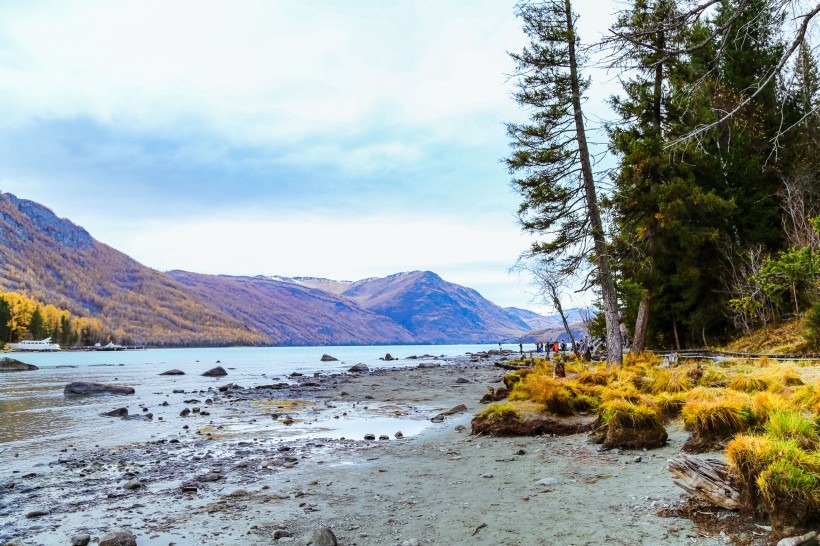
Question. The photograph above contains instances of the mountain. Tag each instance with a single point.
(434, 310)
(55, 261)
(292, 313)
(533, 320)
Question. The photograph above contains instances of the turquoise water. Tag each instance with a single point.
(37, 420)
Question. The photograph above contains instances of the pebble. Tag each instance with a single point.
(369, 436)
(37, 513)
(80, 540)
(132, 484)
(548, 481)
(281, 533)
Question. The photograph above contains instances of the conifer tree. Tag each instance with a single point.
(551, 158)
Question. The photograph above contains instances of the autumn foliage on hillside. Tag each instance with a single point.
(54, 261)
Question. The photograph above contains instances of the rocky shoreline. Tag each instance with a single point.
(216, 483)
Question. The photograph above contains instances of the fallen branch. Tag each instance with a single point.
(707, 479)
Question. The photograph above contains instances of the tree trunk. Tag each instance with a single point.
(560, 309)
(614, 350)
(675, 330)
(642, 324)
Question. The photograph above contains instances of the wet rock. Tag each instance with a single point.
(185, 413)
(388, 357)
(319, 537)
(209, 477)
(191, 401)
(398, 435)
(462, 380)
(189, 488)
(359, 368)
(328, 358)
(13, 365)
(119, 412)
(40, 512)
(219, 371)
(81, 388)
(495, 395)
(118, 537)
(228, 387)
(132, 484)
(424, 365)
(15, 542)
(144, 417)
(281, 533)
(461, 408)
(173, 372)
(369, 436)
(80, 540)
(384, 437)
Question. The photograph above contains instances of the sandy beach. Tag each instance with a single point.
(214, 485)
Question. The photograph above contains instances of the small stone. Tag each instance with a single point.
(185, 413)
(132, 484)
(520, 452)
(460, 428)
(384, 437)
(118, 537)
(369, 436)
(80, 540)
(37, 513)
(119, 412)
(398, 435)
(319, 537)
(487, 476)
(548, 481)
(411, 542)
(637, 459)
(281, 533)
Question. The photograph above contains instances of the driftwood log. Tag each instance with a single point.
(708, 479)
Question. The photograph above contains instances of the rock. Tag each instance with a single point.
(82, 388)
(173, 372)
(428, 365)
(384, 437)
(461, 408)
(547, 481)
(188, 488)
(637, 459)
(359, 368)
(209, 477)
(119, 412)
(12, 365)
(132, 484)
(388, 357)
(37, 513)
(328, 358)
(369, 436)
(118, 537)
(219, 371)
(144, 417)
(185, 413)
(410, 542)
(228, 387)
(462, 380)
(281, 533)
(398, 435)
(15, 542)
(80, 540)
(319, 537)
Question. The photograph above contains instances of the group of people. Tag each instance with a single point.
(554, 346)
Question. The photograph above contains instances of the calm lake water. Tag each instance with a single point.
(36, 420)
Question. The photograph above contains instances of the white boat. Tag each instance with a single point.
(34, 345)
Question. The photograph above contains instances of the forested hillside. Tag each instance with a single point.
(716, 142)
(56, 262)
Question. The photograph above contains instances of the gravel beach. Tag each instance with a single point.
(226, 479)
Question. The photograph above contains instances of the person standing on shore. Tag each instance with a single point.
(521, 348)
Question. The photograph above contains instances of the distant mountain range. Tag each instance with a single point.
(58, 262)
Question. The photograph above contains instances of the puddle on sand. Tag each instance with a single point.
(296, 419)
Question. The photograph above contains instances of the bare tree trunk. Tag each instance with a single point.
(613, 332)
(642, 325)
(675, 330)
(560, 310)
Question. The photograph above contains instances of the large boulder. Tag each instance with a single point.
(359, 368)
(173, 372)
(12, 365)
(82, 388)
(328, 358)
(219, 371)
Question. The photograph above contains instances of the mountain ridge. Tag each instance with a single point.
(59, 262)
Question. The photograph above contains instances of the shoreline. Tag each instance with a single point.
(213, 485)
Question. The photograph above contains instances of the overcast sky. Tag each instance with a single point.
(339, 139)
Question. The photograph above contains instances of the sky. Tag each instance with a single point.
(337, 139)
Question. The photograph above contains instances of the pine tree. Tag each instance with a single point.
(551, 157)
(36, 326)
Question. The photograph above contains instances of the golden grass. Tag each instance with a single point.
(503, 411)
(622, 414)
(665, 381)
(782, 338)
(722, 416)
(751, 382)
(670, 404)
(792, 425)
